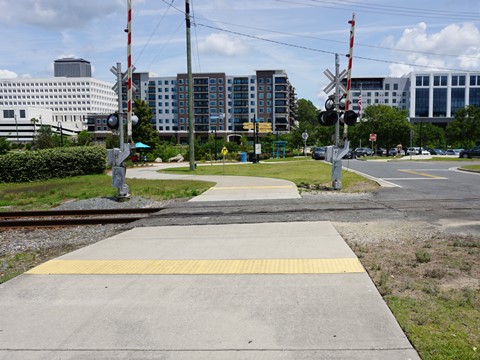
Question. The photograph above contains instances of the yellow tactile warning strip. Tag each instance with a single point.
(422, 174)
(252, 187)
(198, 267)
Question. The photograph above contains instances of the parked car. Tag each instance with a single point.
(425, 152)
(455, 152)
(363, 152)
(470, 153)
(318, 153)
(436, 151)
(413, 151)
(382, 152)
(349, 154)
(393, 152)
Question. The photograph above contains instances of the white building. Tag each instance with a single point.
(427, 96)
(70, 100)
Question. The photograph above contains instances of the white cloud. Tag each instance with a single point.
(7, 74)
(222, 44)
(454, 47)
(57, 14)
(398, 70)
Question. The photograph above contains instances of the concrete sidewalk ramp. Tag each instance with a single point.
(245, 291)
(227, 188)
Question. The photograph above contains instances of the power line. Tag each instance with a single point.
(155, 30)
(326, 52)
(338, 41)
(378, 9)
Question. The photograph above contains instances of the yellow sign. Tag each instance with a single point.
(264, 127)
(224, 151)
(247, 126)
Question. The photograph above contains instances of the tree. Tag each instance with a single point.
(44, 139)
(306, 115)
(144, 132)
(428, 135)
(4, 146)
(390, 124)
(112, 141)
(84, 138)
(464, 130)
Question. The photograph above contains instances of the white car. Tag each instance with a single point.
(425, 152)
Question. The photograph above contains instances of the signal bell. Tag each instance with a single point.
(112, 121)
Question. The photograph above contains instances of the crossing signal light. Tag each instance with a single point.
(328, 118)
(349, 118)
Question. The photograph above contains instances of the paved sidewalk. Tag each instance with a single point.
(242, 291)
(227, 188)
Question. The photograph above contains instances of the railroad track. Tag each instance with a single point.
(56, 218)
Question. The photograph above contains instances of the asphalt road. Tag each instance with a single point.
(429, 191)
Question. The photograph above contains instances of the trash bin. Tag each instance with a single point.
(243, 156)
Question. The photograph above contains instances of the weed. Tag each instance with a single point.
(383, 287)
(435, 273)
(422, 257)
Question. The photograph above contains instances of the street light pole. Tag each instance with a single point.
(61, 133)
(16, 127)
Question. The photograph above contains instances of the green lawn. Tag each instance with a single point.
(304, 173)
(51, 193)
(472, 167)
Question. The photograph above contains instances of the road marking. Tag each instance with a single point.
(253, 187)
(379, 181)
(199, 267)
(422, 174)
(417, 178)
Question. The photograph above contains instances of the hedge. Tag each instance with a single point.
(47, 164)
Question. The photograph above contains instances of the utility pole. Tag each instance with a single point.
(191, 117)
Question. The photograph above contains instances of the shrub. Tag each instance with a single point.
(51, 163)
(422, 257)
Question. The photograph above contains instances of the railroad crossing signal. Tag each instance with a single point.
(332, 84)
(124, 79)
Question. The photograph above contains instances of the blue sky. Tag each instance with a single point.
(240, 36)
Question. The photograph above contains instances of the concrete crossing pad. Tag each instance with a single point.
(241, 315)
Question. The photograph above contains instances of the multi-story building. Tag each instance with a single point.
(72, 67)
(70, 100)
(426, 96)
(222, 103)
(436, 96)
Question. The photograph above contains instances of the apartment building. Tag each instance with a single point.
(222, 103)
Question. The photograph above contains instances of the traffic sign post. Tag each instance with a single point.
(224, 153)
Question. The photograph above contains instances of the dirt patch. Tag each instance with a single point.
(411, 256)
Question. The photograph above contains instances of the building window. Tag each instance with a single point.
(475, 96)
(421, 102)
(440, 80)
(439, 102)
(387, 86)
(458, 99)
(395, 86)
(458, 80)
(8, 114)
(423, 80)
